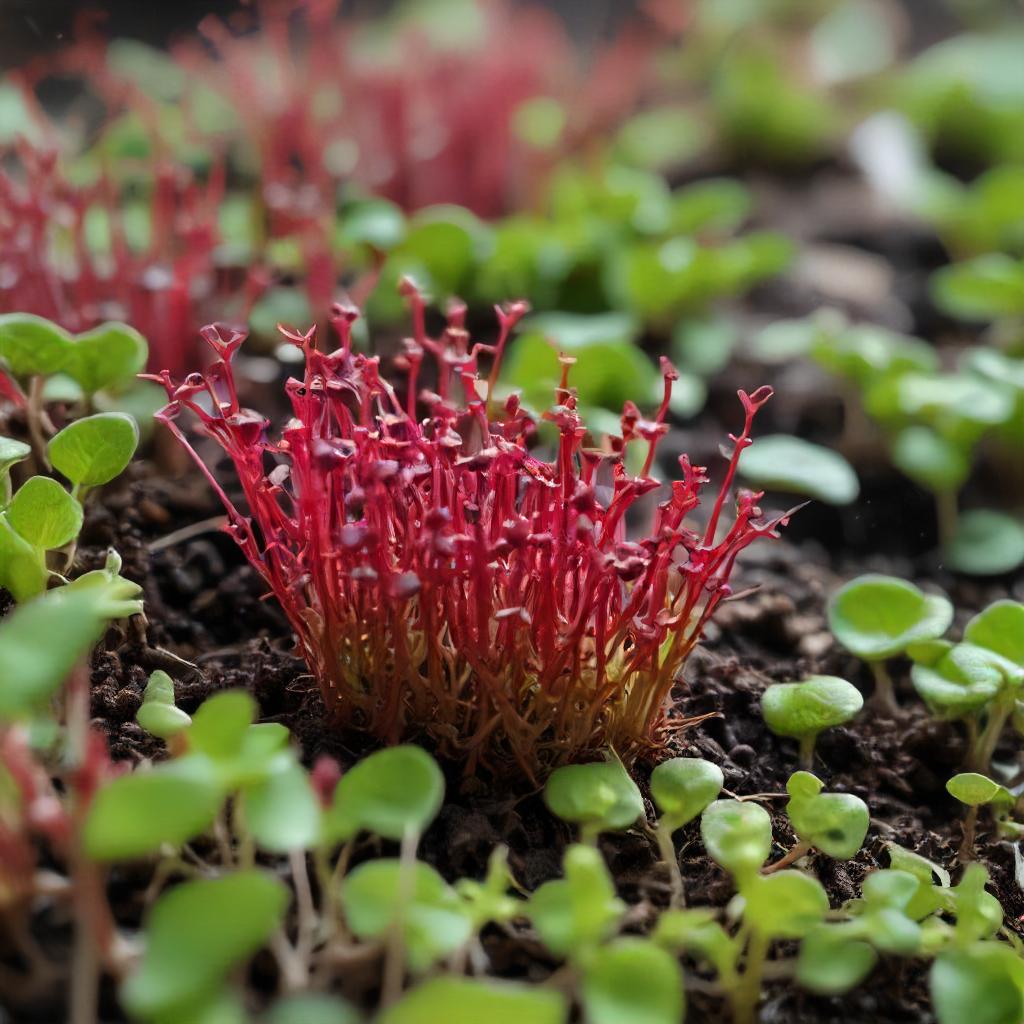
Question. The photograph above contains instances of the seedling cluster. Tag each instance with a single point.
(487, 567)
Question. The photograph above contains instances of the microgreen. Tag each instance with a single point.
(11, 453)
(738, 836)
(479, 517)
(382, 895)
(196, 933)
(93, 450)
(877, 617)
(978, 680)
(804, 710)
(42, 640)
(575, 914)
(392, 793)
(681, 787)
(158, 714)
(779, 462)
(982, 982)
(134, 815)
(468, 1001)
(835, 823)
(633, 981)
(598, 797)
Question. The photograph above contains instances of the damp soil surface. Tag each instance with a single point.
(209, 624)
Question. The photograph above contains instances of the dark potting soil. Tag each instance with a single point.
(209, 625)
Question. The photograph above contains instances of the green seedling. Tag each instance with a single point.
(632, 981)
(738, 837)
(468, 1001)
(575, 914)
(92, 451)
(986, 543)
(780, 462)
(878, 617)
(988, 287)
(195, 935)
(978, 680)
(681, 787)
(983, 981)
(11, 453)
(158, 714)
(598, 797)
(312, 1008)
(975, 790)
(834, 823)
(42, 640)
(935, 422)
(97, 362)
(784, 906)
(837, 957)
(394, 793)
(489, 900)
(804, 710)
(382, 897)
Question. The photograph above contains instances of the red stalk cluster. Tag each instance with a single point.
(408, 118)
(441, 576)
(48, 266)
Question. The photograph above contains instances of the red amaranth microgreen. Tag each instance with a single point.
(441, 576)
(67, 254)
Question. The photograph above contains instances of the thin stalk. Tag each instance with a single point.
(968, 829)
(748, 993)
(807, 751)
(667, 850)
(394, 950)
(37, 419)
(792, 857)
(985, 746)
(884, 697)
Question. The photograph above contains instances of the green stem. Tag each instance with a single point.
(985, 745)
(394, 950)
(748, 994)
(884, 697)
(667, 850)
(807, 751)
(966, 852)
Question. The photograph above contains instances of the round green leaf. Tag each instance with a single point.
(986, 544)
(976, 790)
(40, 643)
(390, 793)
(282, 811)
(45, 514)
(220, 726)
(835, 823)
(806, 708)
(376, 896)
(982, 983)
(930, 459)
(832, 962)
(375, 222)
(134, 815)
(465, 1001)
(737, 835)
(597, 797)
(93, 450)
(784, 905)
(107, 355)
(985, 288)
(999, 628)
(31, 345)
(962, 681)
(683, 786)
(877, 617)
(196, 933)
(12, 452)
(779, 462)
(22, 567)
(632, 981)
(312, 1008)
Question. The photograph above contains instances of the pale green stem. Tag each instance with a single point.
(668, 853)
